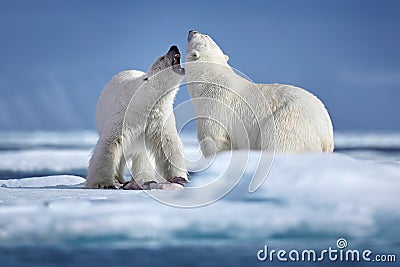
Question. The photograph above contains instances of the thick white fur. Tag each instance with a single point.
(135, 122)
(245, 115)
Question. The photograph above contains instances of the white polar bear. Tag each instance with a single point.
(135, 121)
(235, 113)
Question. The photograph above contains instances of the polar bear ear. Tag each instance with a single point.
(195, 54)
(226, 58)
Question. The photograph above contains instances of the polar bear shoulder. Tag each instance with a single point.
(127, 75)
(116, 95)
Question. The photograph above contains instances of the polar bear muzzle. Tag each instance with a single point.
(190, 34)
(175, 58)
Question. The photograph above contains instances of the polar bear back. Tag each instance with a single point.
(301, 120)
(116, 96)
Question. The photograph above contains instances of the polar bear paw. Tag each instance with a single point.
(133, 185)
(108, 187)
(102, 186)
(178, 180)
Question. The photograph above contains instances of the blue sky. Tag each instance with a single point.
(56, 56)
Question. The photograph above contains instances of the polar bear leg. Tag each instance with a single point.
(142, 169)
(169, 157)
(103, 164)
(213, 145)
(119, 177)
(212, 134)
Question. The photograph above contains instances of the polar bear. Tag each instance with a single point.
(135, 121)
(235, 113)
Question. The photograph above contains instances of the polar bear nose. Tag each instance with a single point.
(191, 33)
(174, 48)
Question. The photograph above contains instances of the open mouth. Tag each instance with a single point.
(176, 64)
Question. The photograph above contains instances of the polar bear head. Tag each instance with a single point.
(167, 67)
(202, 48)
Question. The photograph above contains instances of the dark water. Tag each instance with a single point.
(382, 150)
(9, 174)
(174, 256)
(20, 147)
